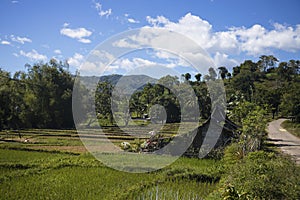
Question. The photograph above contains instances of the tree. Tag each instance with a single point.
(236, 70)
(290, 104)
(38, 98)
(49, 95)
(228, 75)
(253, 130)
(168, 82)
(103, 101)
(212, 73)
(4, 98)
(223, 72)
(187, 76)
(253, 121)
(198, 77)
(287, 71)
(267, 95)
(267, 62)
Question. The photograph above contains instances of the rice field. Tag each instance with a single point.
(50, 165)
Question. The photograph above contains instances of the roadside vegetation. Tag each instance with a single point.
(292, 127)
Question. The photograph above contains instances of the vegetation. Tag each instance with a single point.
(52, 163)
(259, 175)
(54, 175)
(40, 98)
(292, 127)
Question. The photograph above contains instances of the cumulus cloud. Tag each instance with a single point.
(257, 39)
(222, 59)
(254, 40)
(157, 21)
(161, 39)
(4, 42)
(33, 55)
(80, 34)
(18, 39)
(75, 60)
(101, 11)
(96, 63)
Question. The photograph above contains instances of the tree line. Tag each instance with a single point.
(38, 98)
(268, 83)
(41, 97)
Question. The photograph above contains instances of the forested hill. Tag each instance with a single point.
(131, 81)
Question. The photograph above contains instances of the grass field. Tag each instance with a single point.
(52, 164)
(53, 175)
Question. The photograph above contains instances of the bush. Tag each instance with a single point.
(263, 175)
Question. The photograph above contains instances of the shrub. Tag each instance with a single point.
(264, 175)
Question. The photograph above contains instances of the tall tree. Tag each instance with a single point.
(267, 62)
(103, 101)
(223, 72)
(198, 77)
(187, 76)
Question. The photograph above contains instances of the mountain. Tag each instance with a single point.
(127, 84)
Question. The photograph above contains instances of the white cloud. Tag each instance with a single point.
(4, 42)
(21, 40)
(66, 24)
(105, 12)
(14, 1)
(133, 21)
(163, 39)
(96, 63)
(157, 21)
(222, 59)
(138, 66)
(33, 55)
(79, 33)
(76, 60)
(57, 51)
(84, 40)
(101, 11)
(255, 40)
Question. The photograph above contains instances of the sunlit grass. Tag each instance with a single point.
(53, 175)
(292, 127)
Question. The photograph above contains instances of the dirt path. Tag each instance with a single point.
(287, 142)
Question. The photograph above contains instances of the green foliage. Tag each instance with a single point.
(103, 101)
(232, 155)
(264, 175)
(240, 111)
(40, 98)
(290, 104)
(292, 127)
(253, 130)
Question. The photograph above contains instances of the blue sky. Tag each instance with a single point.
(230, 31)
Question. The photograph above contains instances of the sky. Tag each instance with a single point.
(231, 31)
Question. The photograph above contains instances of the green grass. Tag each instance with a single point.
(28, 174)
(292, 127)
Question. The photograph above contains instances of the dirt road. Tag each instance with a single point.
(287, 142)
